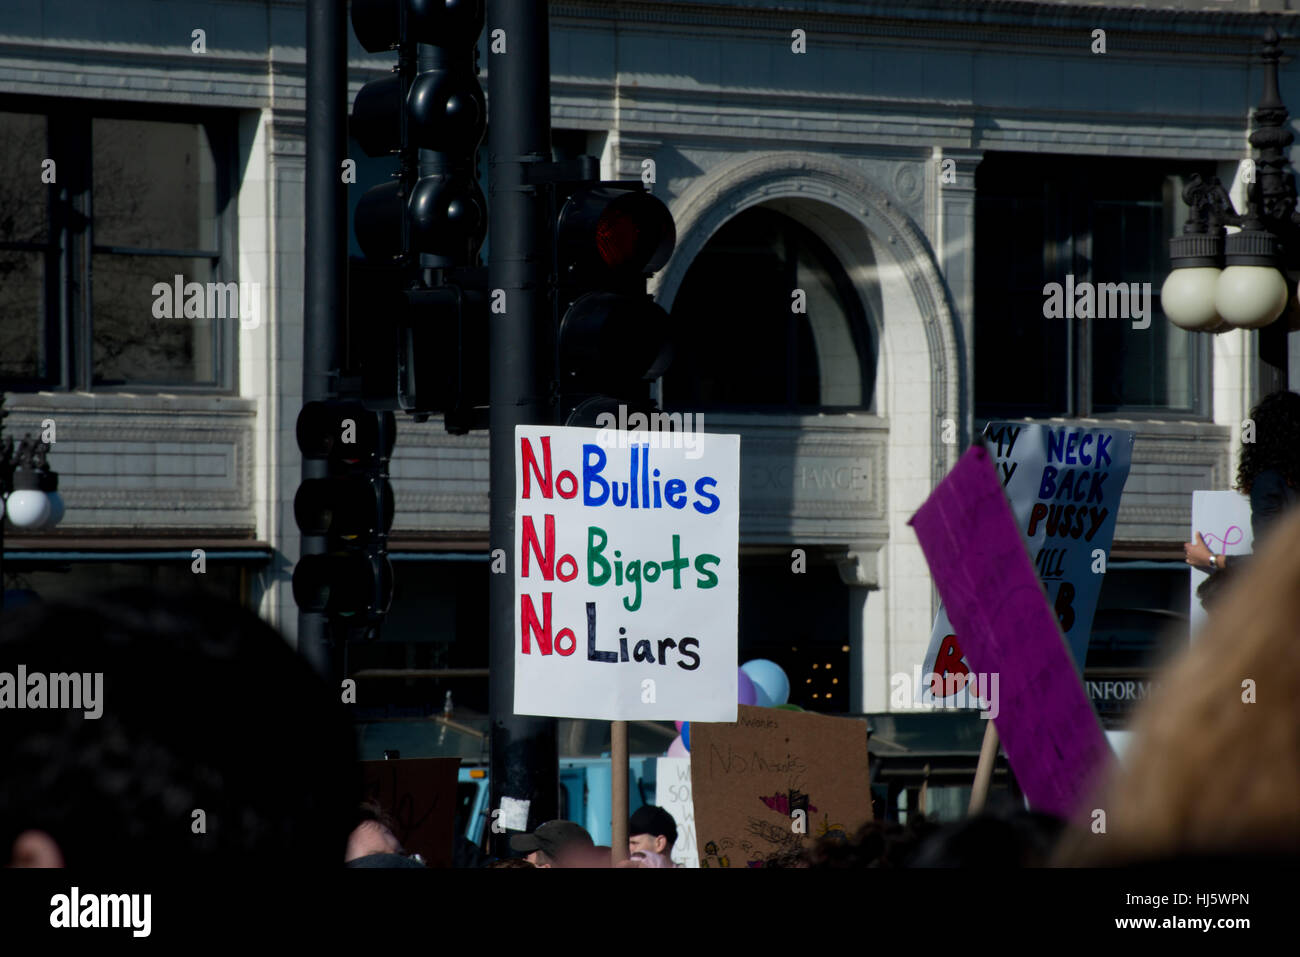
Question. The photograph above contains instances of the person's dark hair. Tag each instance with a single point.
(654, 821)
(791, 858)
(1277, 440)
(1015, 840)
(372, 810)
(877, 844)
(205, 708)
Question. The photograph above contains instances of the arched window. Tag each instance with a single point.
(741, 345)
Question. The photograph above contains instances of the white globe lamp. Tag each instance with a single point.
(1188, 298)
(27, 508)
(1252, 292)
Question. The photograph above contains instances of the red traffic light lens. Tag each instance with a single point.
(618, 237)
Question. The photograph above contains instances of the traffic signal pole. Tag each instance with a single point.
(524, 750)
(325, 259)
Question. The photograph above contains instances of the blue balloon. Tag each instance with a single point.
(745, 690)
(686, 734)
(769, 680)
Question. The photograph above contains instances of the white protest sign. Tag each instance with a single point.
(673, 794)
(1119, 742)
(1064, 485)
(1223, 519)
(625, 564)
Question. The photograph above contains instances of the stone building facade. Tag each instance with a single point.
(863, 124)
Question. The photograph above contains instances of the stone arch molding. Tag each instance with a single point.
(749, 181)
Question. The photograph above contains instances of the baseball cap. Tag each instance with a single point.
(384, 860)
(654, 821)
(552, 838)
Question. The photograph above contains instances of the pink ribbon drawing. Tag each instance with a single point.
(1227, 539)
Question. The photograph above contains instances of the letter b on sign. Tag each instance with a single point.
(949, 662)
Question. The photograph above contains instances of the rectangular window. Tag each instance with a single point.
(104, 203)
(28, 354)
(1045, 219)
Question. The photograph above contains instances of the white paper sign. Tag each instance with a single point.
(625, 564)
(1223, 519)
(1119, 742)
(673, 794)
(514, 813)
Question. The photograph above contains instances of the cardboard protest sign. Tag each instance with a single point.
(775, 781)
(1223, 519)
(1064, 485)
(420, 796)
(673, 794)
(976, 552)
(625, 562)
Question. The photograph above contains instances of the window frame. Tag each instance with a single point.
(857, 317)
(1068, 248)
(69, 314)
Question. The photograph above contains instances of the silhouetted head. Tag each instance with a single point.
(215, 742)
(1017, 839)
(1276, 442)
(877, 844)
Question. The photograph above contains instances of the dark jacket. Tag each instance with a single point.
(1270, 496)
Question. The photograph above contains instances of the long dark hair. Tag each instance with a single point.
(1277, 440)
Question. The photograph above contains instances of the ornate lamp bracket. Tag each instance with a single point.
(1271, 196)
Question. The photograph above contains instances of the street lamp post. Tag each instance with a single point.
(1220, 282)
(29, 490)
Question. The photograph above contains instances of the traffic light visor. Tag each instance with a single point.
(344, 584)
(346, 432)
(609, 342)
(621, 231)
(445, 23)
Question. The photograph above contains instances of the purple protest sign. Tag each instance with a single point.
(996, 603)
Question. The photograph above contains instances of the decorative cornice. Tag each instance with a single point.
(969, 22)
(167, 403)
(859, 566)
(153, 426)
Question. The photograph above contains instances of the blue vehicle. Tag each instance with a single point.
(585, 786)
(585, 796)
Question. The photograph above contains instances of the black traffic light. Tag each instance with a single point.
(351, 507)
(435, 205)
(612, 339)
(417, 316)
(420, 348)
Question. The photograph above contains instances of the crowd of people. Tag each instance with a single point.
(218, 743)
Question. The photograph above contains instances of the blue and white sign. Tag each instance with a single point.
(1064, 484)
